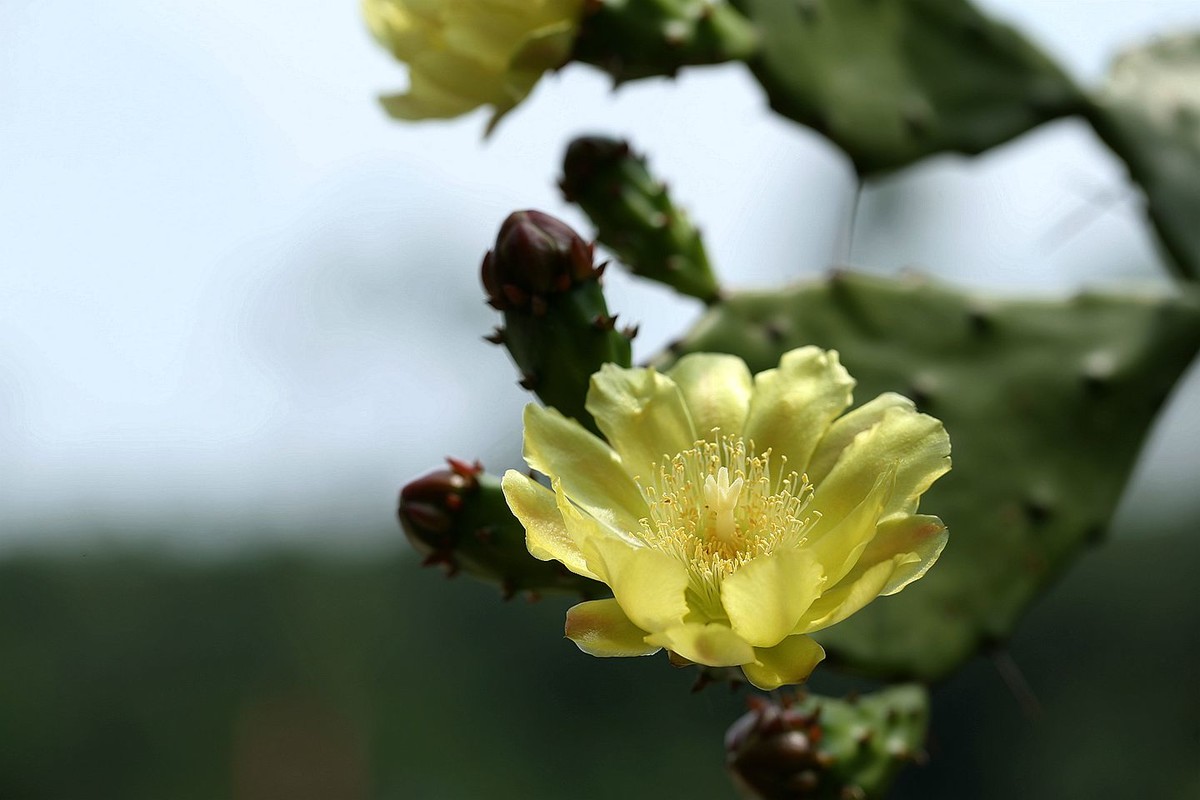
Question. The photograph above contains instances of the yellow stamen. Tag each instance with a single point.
(715, 507)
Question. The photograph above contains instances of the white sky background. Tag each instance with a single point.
(236, 300)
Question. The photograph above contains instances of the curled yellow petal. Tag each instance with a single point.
(790, 661)
(600, 628)
(649, 585)
(546, 535)
(914, 445)
(590, 471)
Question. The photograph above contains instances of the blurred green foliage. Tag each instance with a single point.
(141, 676)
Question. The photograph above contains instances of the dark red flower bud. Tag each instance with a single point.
(429, 503)
(535, 255)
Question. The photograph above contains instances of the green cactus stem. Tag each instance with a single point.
(1047, 404)
(827, 749)
(1148, 111)
(639, 38)
(893, 81)
(634, 216)
(457, 518)
(556, 323)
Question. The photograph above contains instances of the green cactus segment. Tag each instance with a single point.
(556, 322)
(1149, 113)
(634, 215)
(639, 38)
(893, 81)
(458, 518)
(557, 351)
(828, 749)
(1047, 404)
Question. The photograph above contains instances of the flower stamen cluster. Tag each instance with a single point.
(716, 506)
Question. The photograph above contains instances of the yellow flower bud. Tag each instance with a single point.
(462, 54)
(731, 515)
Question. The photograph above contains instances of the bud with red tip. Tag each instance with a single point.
(535, 255)
(556, 322)
(429, 506)
(457, 517)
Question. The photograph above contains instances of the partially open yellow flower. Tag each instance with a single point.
(731, 516)
(466, 53)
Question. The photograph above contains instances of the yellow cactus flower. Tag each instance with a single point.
(463, 54)
(730, 515)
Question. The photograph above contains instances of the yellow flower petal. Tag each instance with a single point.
(642, 414)
(590, 471)
(839, 545)
(426, 100)
(600, 628)
(583, 527)
(649, 584)
(467, 53)
(711, 644)
(766, 597)
(843, 430)
(914, 445)
(854, 592)
(794, 404)
(717, 391)
(790, 661)
(919, 538)
(903, 549)
(546, 535)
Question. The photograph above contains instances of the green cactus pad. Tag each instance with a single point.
(828, 749)
(1148, 111)
(893, 81)
(634, 215)
(1047, 404)
(641, 38)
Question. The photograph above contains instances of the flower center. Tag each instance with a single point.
(715, 507)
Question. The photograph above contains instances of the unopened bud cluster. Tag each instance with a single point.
(772, 751)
